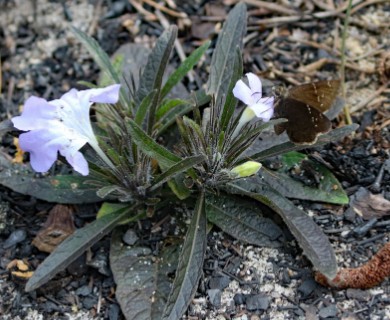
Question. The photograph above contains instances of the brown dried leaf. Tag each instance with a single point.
(369, 205)
(23, 275)
(58, 226)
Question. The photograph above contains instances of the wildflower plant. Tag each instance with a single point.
(213, 165)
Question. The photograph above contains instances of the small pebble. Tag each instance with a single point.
(328, 312)
(360, 295)
(219, 282)
(239, 299)
(113, 312)
(130, 237)
(215, 296)
(257, 302)
(89, 302)
(307, 287)
(14, 238)
(83, 291)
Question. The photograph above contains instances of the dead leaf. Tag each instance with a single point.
(18, 158)
(58, 226)
(368, 205)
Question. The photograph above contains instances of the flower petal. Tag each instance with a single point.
(74, 114)
(37, 114)
(108, 94)
(43, 151)
(241, 91)
(264, 109)
(255, 85)
(78, 162)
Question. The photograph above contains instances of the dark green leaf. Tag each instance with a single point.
(310, 237)
(71, 248)
(222, 62)
(169, 106)
(150, 147)
(199, 99)
(231, 102)
(153, 73)
(328, 190)
(183, 69)
(144, 107)
(243, 220)
(179, 167)
(190, 264)
(142, 279)
(59, 189)
(117, 63)
(334, 135)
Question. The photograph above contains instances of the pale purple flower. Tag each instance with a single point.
(62, 125)
(252, 96)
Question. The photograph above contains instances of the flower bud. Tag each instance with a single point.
(246, 169)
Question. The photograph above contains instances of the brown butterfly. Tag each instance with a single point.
(303, 107)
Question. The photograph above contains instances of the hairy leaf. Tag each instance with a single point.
(310, 237)
(142, 279)
(179, 167)
(222, 62)
(150, 147)
(71, 189)
(231, 102)
(328, 189)
(334, 135)
(242, 220)
(190, 264)
(153, 73)
(183, 69)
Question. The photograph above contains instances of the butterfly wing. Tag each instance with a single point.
(305, 123)
(320, 94)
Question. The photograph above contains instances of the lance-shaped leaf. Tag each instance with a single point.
(310, 237)
(150, 147)
(231, 102)
(66, 189)
(242, 220)
(334, 135)
(153, 73)
(328, 188)
(183, 69)
(177, 168)
(163, 156)
(230, 38)
(144, 107)
(74, 246)
(142, 279)
(190, 264)
(200, 98)
(103, 61)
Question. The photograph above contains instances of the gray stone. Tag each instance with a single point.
(328, 312)
(215, 296)
(257, 302)
(130, 237)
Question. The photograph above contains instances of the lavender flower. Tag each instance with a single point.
(62, 125)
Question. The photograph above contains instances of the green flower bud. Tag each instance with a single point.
(246, 169)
